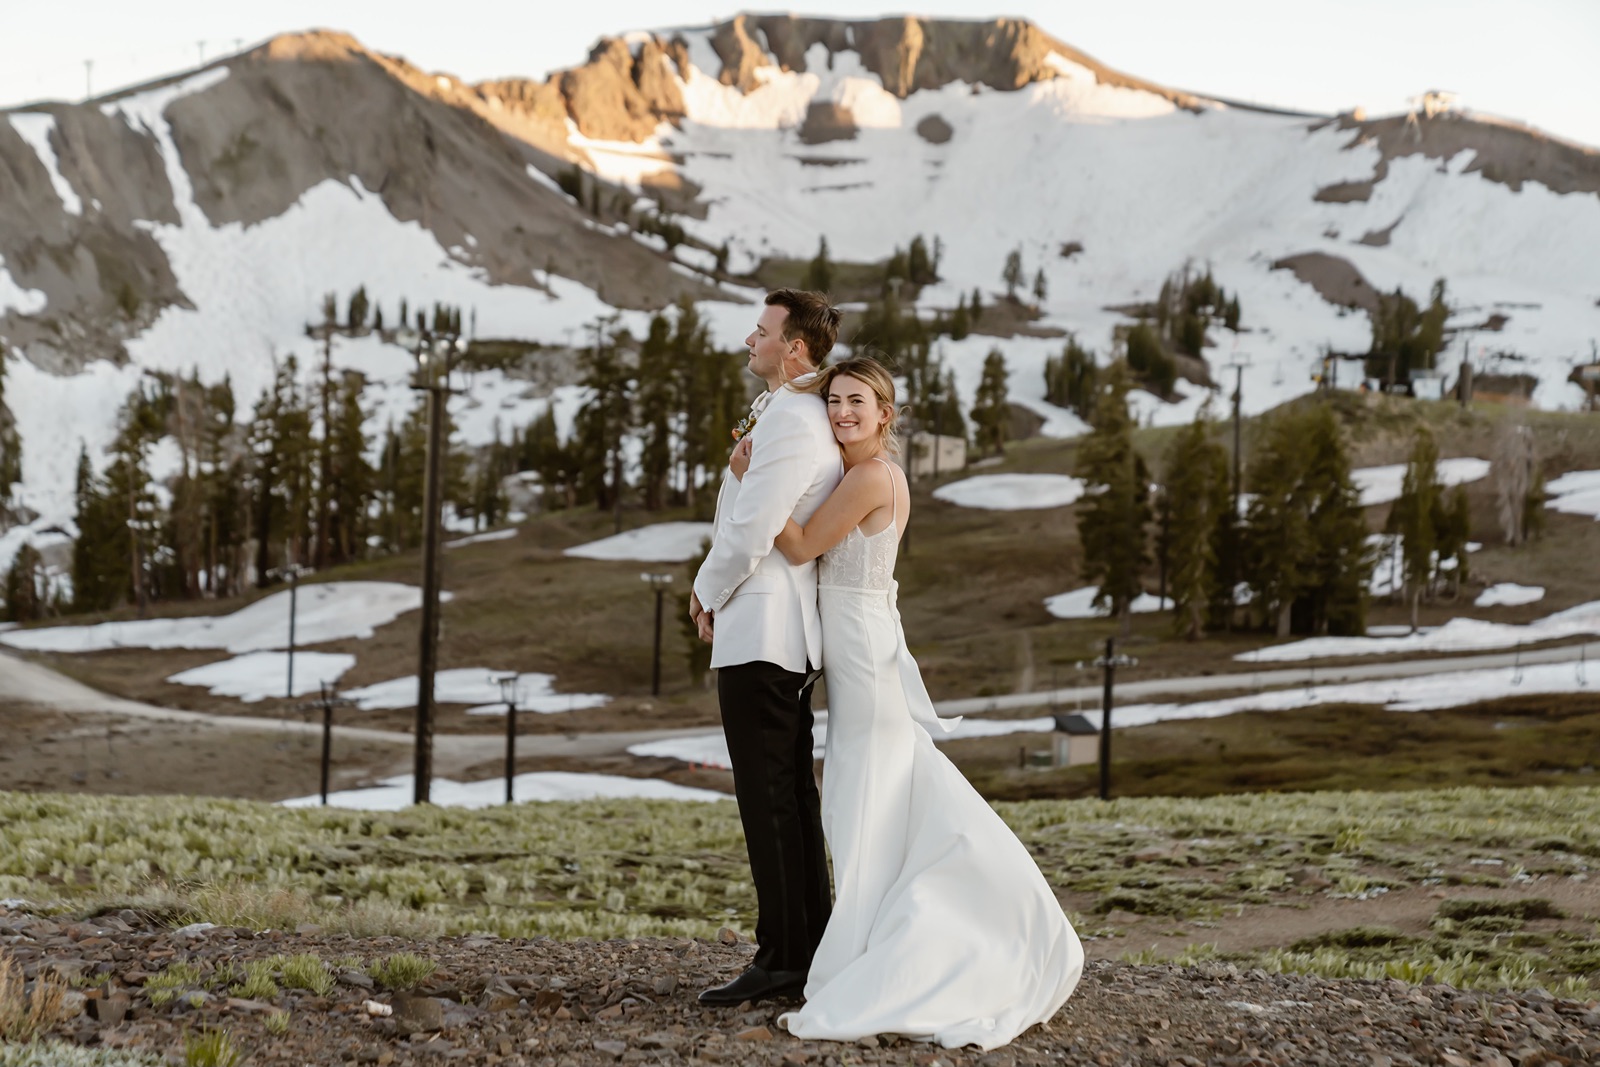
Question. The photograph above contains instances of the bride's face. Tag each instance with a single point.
(854, 410)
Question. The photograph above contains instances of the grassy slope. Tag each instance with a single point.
(631, 868)
(973, 585)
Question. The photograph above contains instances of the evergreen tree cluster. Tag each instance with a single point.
(1300, 549)
(1405, 337)
(1071, 379)
(671, 391)
(10, 451)
(292, 482)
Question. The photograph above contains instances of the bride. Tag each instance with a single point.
(943, 928)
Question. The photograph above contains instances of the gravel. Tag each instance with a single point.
(594, 1004)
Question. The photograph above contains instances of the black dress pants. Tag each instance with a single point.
(767, 720)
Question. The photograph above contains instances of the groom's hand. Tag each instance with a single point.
(700, 617)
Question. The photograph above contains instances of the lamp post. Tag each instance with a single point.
(435, 354)
(1109, 664)
(293, 571)
(508, 693)
(659, 583)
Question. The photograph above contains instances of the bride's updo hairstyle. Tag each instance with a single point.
(878, 379)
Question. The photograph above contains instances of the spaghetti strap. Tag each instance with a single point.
(894, 493)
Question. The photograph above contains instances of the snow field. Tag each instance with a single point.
(327, 611)
(393, 794)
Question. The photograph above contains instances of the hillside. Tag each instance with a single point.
(195, 223)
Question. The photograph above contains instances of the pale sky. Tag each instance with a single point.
(1533, 60)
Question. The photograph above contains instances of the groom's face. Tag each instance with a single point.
(766, 344)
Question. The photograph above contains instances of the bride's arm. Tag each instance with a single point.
(858, 495)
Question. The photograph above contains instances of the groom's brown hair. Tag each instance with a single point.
(812, 319)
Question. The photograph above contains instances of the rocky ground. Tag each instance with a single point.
(493, 1001)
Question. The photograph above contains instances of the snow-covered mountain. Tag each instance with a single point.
(196, 222)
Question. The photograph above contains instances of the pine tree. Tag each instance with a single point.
(1011, 275)
(602, 423)
(27, 587)
(1404, 337)
(10, 450)
(722, 258)
(819, 274)
(1278, 556)
(544, 454)
(281, 482)
(990, 412)
(895, 272)
(1041, 288)
(351, 493)
(1339, 567)
(975, 306)
(919, 266)
(377, 319)
(1148, 360)
(960, 321)
(1412, 518)
(1113, 517)
(658, 407)
(118, 515)
(1197, 499)
(356, 321)
(1070, 379)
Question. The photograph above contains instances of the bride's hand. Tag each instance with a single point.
(739, 462)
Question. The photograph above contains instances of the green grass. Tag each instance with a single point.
(403, 970)
(635, 868)
(1551, 739)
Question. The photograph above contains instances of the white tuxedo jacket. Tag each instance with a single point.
(764, 607)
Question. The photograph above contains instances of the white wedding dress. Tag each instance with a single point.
(943, 928)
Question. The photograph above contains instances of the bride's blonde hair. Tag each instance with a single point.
(878, 379)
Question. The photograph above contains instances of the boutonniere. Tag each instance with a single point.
(746, 426)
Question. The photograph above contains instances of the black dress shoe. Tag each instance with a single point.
(756, 983)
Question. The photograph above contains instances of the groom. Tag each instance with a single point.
(760, 615)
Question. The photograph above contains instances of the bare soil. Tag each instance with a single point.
(585, 1003)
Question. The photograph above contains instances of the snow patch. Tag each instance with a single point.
(1457, 635)
(1575, 493)
(329, 611)
(258, 675)
(1380, 485)
(394, 794)
(1079, 604)
(1508, 594)
(1012, 492)
(35, 127)
(665, 542)
(483, 538)
(475, 685)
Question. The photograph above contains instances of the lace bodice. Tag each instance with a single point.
(864, 561)
(860, 561)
